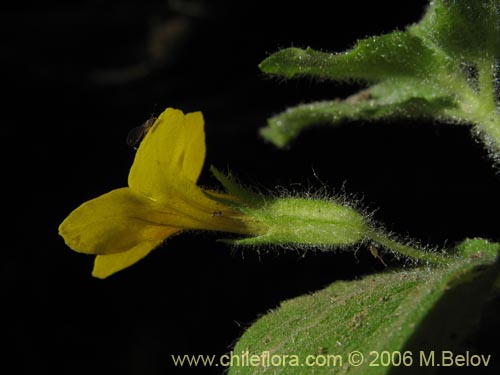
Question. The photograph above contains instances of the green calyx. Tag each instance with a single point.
(304, 222)
(295, 221)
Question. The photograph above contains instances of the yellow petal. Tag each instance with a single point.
(172, 150)
(116, 222)
(106, 265)
(194, 154)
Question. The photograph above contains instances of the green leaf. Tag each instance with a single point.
(444, 67)
(397, 54)
(420, 309)
(468, 29)
(368, 105)
(472, 246)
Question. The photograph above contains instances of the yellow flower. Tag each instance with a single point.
(162, 198)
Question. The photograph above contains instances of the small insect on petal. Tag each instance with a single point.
(135, 135)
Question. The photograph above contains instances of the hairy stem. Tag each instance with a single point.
(407, 250)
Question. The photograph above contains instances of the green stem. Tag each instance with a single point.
(406, 250)
(480, 108)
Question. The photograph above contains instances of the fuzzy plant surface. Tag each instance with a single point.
(445, 67)
(411, 320)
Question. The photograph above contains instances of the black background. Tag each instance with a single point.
(77, 77)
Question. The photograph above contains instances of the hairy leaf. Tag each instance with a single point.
(465, 28)
(364, 106)
(396, 54)
(406, 311)
(444, 67)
